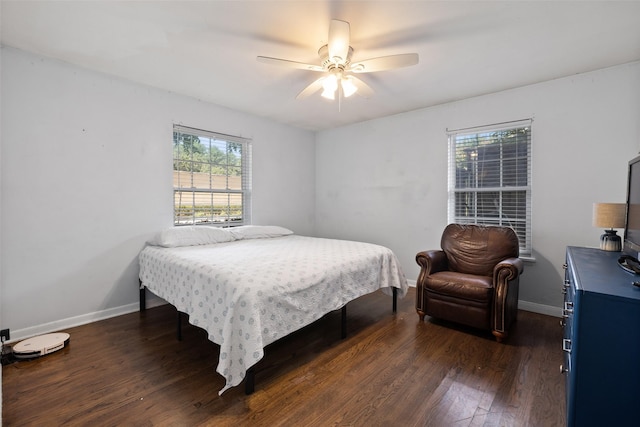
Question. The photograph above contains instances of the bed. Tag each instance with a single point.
(249, 286)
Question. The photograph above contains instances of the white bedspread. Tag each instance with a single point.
(248, 293)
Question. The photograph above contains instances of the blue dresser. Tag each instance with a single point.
(601, 343)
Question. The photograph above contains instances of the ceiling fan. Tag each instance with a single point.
(337, 66)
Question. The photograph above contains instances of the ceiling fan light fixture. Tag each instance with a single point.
(329, 94)
(348, 87)
(329, 86)
(335, 57)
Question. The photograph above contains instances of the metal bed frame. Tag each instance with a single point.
(249, 385)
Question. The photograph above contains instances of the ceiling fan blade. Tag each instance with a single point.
(311, 89)
(289, 64)
(363, 88)
(384, 63)
(338, 43)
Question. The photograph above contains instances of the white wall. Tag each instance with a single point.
(69, 246)
(385, 181)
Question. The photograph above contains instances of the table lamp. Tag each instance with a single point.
(609, 215)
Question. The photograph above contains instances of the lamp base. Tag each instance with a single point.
(610, 241)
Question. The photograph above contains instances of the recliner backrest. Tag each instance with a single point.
(477, 249)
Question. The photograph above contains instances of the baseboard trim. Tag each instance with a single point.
(71, 322)
(548, 310)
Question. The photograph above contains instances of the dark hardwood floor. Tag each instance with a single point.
(391, 370)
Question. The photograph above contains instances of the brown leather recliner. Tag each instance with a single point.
(473, 280)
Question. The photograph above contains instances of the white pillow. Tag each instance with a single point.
(258, 231)
(190, 236)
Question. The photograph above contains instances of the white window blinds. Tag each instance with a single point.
(211, 178)
(490, 178)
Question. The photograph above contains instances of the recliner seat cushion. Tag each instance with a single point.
(460, 285)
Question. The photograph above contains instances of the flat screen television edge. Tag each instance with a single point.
(631, 245)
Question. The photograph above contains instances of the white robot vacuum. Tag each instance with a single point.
(40, 345)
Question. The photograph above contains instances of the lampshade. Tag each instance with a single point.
(608, 215)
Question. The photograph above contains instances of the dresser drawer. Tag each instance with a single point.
(567, 322)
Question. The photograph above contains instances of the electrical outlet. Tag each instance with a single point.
(4, 335)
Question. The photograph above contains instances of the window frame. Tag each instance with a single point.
(522, 225)
(213, 192)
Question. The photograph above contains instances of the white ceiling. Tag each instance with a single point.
(208, 49)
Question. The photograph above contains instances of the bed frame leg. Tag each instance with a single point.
(250, 381)
(179, 327)
(395, 300)
(143, 299)
(343, 323)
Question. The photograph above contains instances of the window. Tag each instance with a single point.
(211, 178)
(490, 178)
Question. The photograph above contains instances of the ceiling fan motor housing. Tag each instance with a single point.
(328, 63)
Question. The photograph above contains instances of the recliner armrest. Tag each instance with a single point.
(507, 269)
(506, 278)
(432, 261)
